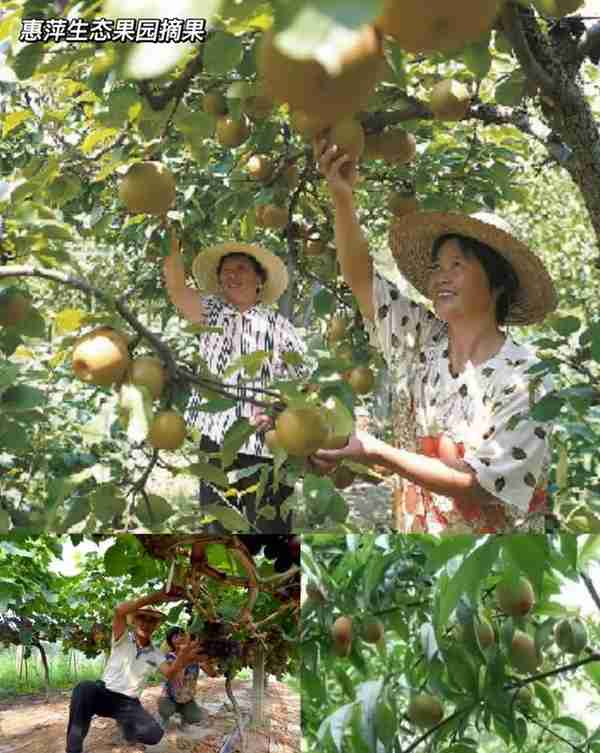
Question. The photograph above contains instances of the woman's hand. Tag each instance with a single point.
(261, 420)
(362, 447)
(339, 169)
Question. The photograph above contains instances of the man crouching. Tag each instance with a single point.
(132, 660)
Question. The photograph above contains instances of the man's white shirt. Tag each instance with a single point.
(129, 665)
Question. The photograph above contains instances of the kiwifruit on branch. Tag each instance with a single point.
(175, 372)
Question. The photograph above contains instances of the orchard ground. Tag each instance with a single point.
(30, 724)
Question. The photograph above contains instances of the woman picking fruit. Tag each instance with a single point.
(469, 456)
(237, 281)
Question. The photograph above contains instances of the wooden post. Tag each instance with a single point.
(258, 689)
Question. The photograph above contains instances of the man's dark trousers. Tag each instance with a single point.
(94, 699)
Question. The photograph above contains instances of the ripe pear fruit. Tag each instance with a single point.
(349, 137)
(308, 126)
(215, 104)
(338, 326)
(148, 187)
(361, 379)
(100, 357)
(257, 107)
(485, 633)
(300, 431)
(372, 630)
(14, 307)
(341, 630)
(425, 710)
(522, 652)
(167, 430)
(147, 371)
(517, 599)
(306, 85)
(231, 132)
(259, 167)
(291, 175)
(400, 204)
(443, 27)
(570, 635)
(396, 146)
(449, 100)
(274, 217)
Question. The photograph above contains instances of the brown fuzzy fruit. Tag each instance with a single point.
(167, 431)
(396, 146)
(148, 187)
(425, 710)
(341, 630)
(517, 599)
(441, 27)
(100, 357)
(14, 308)
(522, 652)
(349, 137)
(259, 167)
(361, 379)
(148, 372)
(300, 431)
(372, 630)
(400, 204)
(449, 100)
(214, 103)
(231, 132)
(274, 217)
(307, 86)
(308, 126)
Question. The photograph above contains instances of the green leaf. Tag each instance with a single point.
(8, 373)
(574, 724)
(199, 124)
(250, 363)
(335, 724)
(13, 120)
(590, 551)
(467, 578)
(230, 518)
(447, 549)
(234, 438)
(595, 341)
(22, 398)
(106, 502)
(531, 554)
(566, 325)
(592, 670)
(153, 511)
(208, 472)
(116, 559)
(28, 59)
(222, 53)
(324, 302)
(78, 510)
(477, 58)
(97, 137)
(510, 91)
(547, 408)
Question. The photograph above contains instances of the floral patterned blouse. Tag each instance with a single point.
(479, 415)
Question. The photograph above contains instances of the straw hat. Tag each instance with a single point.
(411, 241)
(205, 265)
(146, 612)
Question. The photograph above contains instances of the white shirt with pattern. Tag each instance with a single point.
(129, 666)
(479, 416)
(259, 328)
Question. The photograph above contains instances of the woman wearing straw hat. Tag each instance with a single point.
(469, 457)
(236, 283)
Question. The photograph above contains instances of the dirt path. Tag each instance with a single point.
(30, 725)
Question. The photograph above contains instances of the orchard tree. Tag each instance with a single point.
(111, 151)
(459, 644)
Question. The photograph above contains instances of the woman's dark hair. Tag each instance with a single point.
(171, 633)
(258, 267)
(498, 270)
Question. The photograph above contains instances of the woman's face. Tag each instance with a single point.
(239, 281)
(177, 640)
(459, 287)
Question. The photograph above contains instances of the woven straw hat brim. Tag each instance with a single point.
(158, 616)
(411, 240)
(204, 268)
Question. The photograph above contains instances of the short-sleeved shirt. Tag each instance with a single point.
(480, 415)
(129, 666)
(182, 689)
(259, 328)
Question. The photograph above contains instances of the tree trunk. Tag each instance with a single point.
(46, 669)
(258, 689)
